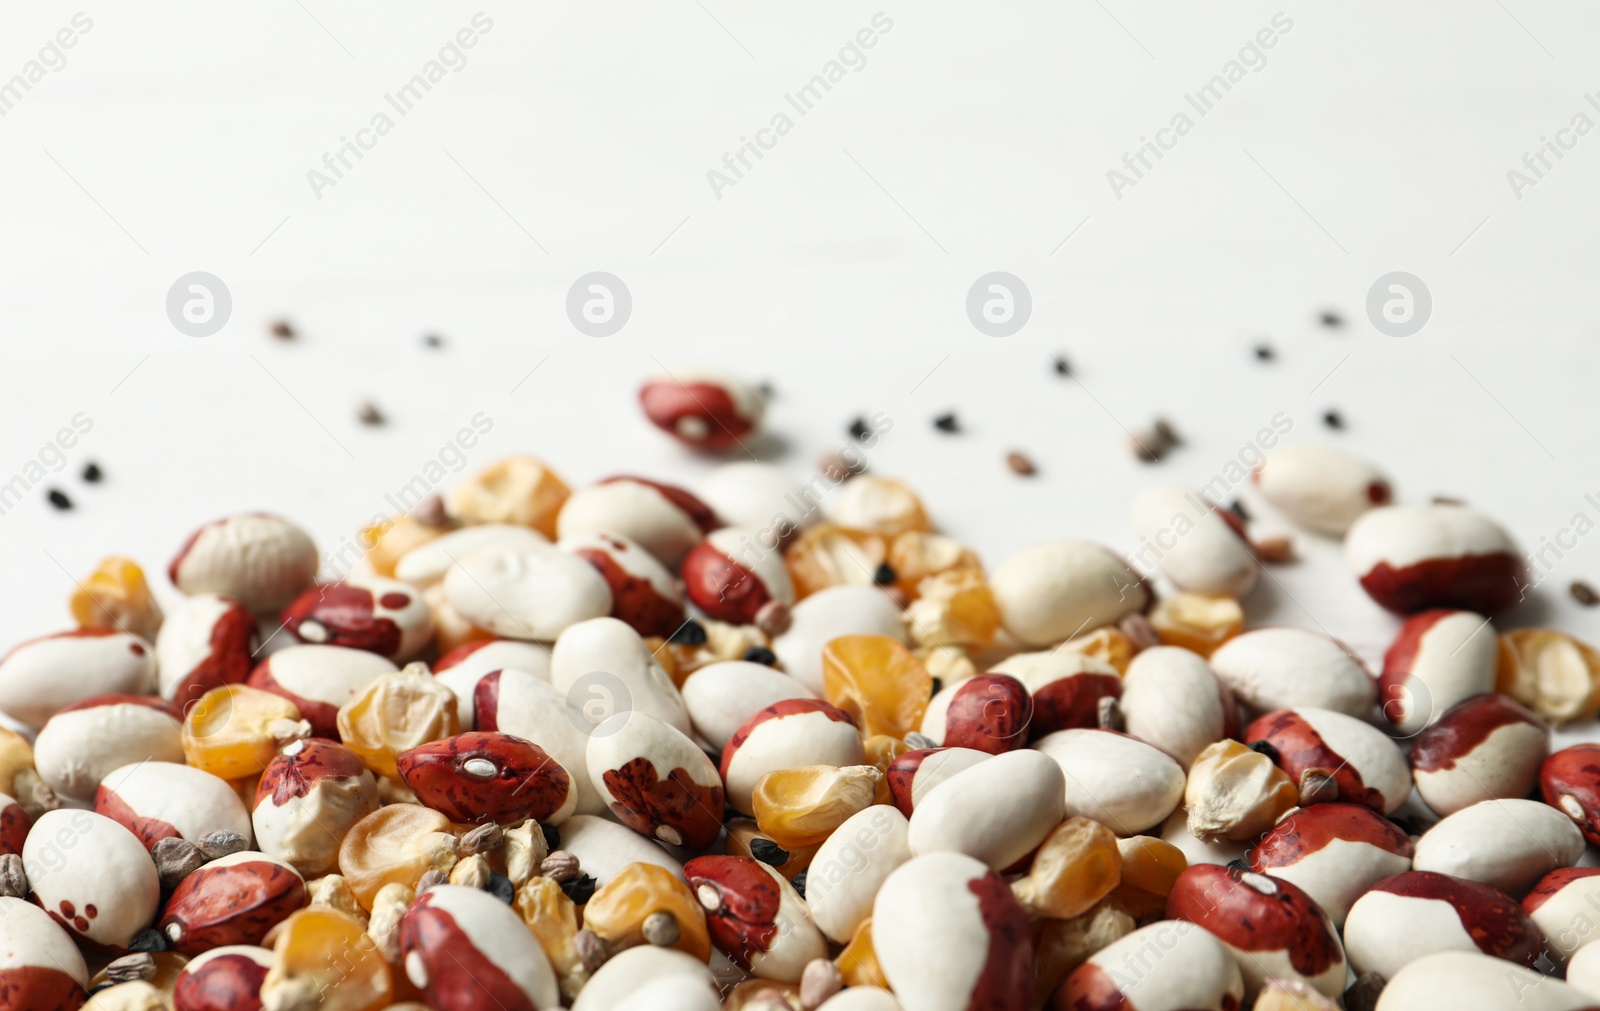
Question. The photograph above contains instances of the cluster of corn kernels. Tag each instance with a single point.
(772, 745)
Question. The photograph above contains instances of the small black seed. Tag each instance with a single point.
(938, 685)
(1333, 419)
(769, 852)
(946, 423)
(1063, 367)
(690, 633)
(58, 498)
(149, 940)
(799, 882)
(1239, 865)
(1584, 594)
(884, 575)
(282, 330)
(760, 654)
(552, 837)
(1265, 353)
(501, 887)
(102, 986)
(1237, 508)
(730, 813)
(1330, 319)
(92, 473)
(580, 888)
(859, 430)
(433, 340)
(1266, 748)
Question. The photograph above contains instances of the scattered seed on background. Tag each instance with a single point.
(859, 430)
(1166, 433)
(1584, 594)
(282, 330)
(1275, 550)
(1330, 319)
(1333, 419)
(1020, 464)
(1265, 353)
(884, 576)
(92, 472)
(1062, 366)
(1448, 500)
(369, 414)
(766, 389)
(762, 655)
(433, 340)
(58, 498)
(946, 423)
(1146, 446)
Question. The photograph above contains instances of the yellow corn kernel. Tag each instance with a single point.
(1108, 644)
(387, 540)
(235, 730)
(618, 910)
(1550, 672)
(553, 919)
(953, 608)
(397, 712)
(917, 554)
(881, 751)
(116, 595)
(1197, 622)
(1076, 866)
(877, 682)
(827, 555)
(1235, 792)
(325, 959)
(802, 806)
(519, 490)
(395, 844)
(858, 962)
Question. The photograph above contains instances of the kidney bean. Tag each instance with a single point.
(851, 865)
(206, 642)
(1509, 844)
(1418, 913)
(1439, 658)
(1119, 781)
(656, 781)
(468, 951)
(526, 591)
(1368, 768)
(989, 712)
(1414, 558)
(223, 979)
(487, 777)
(1334, 853)
(603, 668)
(1171, 698)
(1321, 488)
(1281, 668)
(721, 696)
(43, 970)
(318, 680)
(92, 876)
(1570, 781)
(604, 848)
(703, 409)
(382, 616)
(663, 519)
(164, 800)
(1170, 965)
(1472, 981)
(731, 576)
(82, 743)
(750, 494)
(997, 811)
(633, 972)
(755, 916)
(643, 592)
(1562, 905)
(43, 676)
(308, 797)
(428, 563)
(233, 900)
(1193, 543)
(1485, 748)
(258, 559)
(787, 735)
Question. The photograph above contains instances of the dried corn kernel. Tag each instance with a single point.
(397, 712)
(881, 751)
(1550, 672)
(802, 806)
(388, 540)
(1108, 644)
(553, 919)
(916, 554)
(116, 595)
(881, 505)
(858, 962)
(324, 959)
(398, 843)
(1076, 866)
(1235, 792)
(953, 609)
(1060, 946)
(1150, 864)
(16, 756)
(519, 490)
(948, 664)
(1197, 622)
(827, 555)
(233, 731)
(618, 909)
(877, 682)
(332, 891)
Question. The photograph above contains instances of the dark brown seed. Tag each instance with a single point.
(1448, 500)
(1166, 433)
(433, 340)
(769, 852)
(884, 575)
(859, 430)
(761, 655)
(369, 414)
(1363, 994)
(1237, 508)
(1275, 550)
(1333, 419)
(1317, 786)
(946, 423)
(1265, 353)
(1147, 446)
(92, 473)
(1020, 464)
(282, 330)
(58, 498)
(1062, 366)
(1331, 319)
(1584, 594)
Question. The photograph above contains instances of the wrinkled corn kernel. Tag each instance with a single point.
(332, 891)
(387, 541)
(116, 595)
(388, 906)
(618, 909)
(881, 751)
(1108, 644)
(397, 712)
(233, 731)
(394, 844)
(802, 807)
(948, 664)
(1060, 946)
(1076, 866)
(916, 554)
(519, 490)
(16, 756)
(953, 609)
(828, 555)
(858, 962)
(880, 505)
(877, 682)
(324, 959)
(1550, 672)
(553, 919)
(1197, 622)
(1235, 792)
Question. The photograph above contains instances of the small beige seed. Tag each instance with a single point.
(430, 512)
(483, 839)
(774, 618)
(1317, 786)
(1139, 631)
(472, 872)
(1108, 715)
(139, 965)
(1275, 550)
(431, 879)
(591, 950)
(221, 843)
(175, 860)
(661, 929)
(559, 866)
(13, 879)
(1364, 992)
(820, 981)
(1021, 464)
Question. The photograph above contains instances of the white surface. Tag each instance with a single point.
(193, 126)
